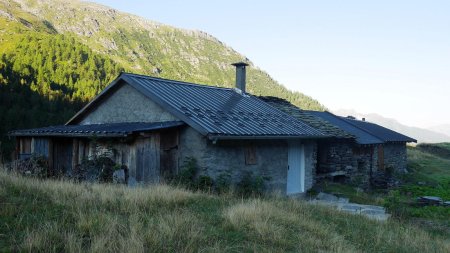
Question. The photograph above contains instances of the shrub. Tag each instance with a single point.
(250, 186)
(187, 174)
(204, 183)
(223, 182)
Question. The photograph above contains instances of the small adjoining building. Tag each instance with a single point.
(356, 151)
(152, 125)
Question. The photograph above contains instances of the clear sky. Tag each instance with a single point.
(385, 57)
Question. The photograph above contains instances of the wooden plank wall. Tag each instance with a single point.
(141, 156)
(40, 146)
(147, 153)
(149, 158)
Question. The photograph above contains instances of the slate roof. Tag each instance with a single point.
(380, 132)
(99, 130)
(362, 136)
(365, 132)
(213, 111)
(314, 121)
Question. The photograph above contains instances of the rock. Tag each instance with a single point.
(446, 203)
(372, 212)
(429, 200)
(327, 197)
(132, 182)
(351, 208)
(343, 200)
(156, 70)
(119, 177)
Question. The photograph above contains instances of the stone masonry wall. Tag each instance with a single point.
(310, 164)
(395, 157)
(127, 105)
(228, 157)
(335, 157)
(345, 160)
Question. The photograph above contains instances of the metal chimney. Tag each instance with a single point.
(240, 75)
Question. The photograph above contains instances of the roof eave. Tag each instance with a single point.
(262, 137)
(68, 135)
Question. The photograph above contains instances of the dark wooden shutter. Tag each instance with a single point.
(250, 155)
(380, 157)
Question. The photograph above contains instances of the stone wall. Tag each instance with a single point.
(310, 163)
(228, 157)
(395, 157)
(127, 105)
(346, 161)
(335, 156)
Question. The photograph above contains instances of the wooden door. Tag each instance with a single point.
(148, 159)
(62, 155)
(169, 154)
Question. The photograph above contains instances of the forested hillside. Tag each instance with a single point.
(56, 55)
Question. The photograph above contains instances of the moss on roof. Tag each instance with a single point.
(306, 117)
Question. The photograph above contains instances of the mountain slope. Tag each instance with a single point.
(148, 47)
(56, 55)
(420, 134)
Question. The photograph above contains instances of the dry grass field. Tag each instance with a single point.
(58, 216)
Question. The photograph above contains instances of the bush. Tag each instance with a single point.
(250, 186)
(204, 183)
(187, 174)
(223, 183)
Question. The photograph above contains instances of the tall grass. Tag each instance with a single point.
(57, 216)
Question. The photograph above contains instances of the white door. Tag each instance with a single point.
(296, 168)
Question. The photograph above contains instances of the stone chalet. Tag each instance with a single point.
(153, 125)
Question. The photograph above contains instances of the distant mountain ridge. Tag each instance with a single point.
(443, 129)
(422, 135)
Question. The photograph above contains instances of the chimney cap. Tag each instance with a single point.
(239, 64)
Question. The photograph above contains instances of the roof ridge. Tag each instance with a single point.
(371, 123)
(362, 129)
(176, 81)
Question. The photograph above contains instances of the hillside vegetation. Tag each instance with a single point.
(57, 216)
(56, 55)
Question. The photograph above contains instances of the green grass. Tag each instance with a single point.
(56, 216)
(429, 175)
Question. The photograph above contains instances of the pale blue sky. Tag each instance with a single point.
(386, 57)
